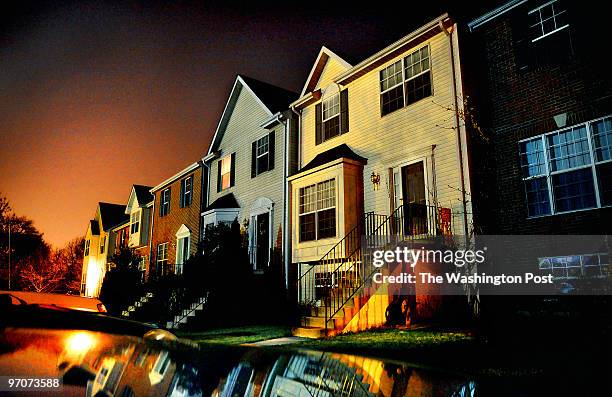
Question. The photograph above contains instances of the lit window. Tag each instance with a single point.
(568, 170)
(399, 89)
(102, 244)
(317, 211)
(164, 208)
(135, 222)
(86, 250)
(547, 19)
(186, 191)
(226, 169)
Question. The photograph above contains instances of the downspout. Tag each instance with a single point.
(288, 229)
(286, 247)
(458, 126)
(205, 196)
(151, 237)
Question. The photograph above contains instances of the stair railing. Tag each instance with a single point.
(408, 222)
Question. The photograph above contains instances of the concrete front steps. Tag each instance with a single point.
(181, 319)
(140, 302)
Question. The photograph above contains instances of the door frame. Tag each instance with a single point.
(398, 168)
(261, 206)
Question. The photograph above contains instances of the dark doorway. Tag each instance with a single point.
(413, 198)
(262, 239)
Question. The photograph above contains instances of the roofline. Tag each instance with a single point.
(481, 20)
(390, 48)
(120, 225)
(229, 99)
(176, 176)
(270, 121)
(329, 53)
(333, 163)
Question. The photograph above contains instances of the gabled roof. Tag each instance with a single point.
(143, 194)
(272, 99)
(176, 176)
(111, 214)
(315, 73)
(335, 153)
(226, 201)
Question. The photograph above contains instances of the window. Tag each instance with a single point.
(225, 174)
(331, 117)
(576, 266)
(262, 155)
(142, 264)
(164, 207)
(186, 191)
(405, 81)
(568, 170)
(162, 254)
(182, 247)
(317, 211)
(134, 222)
(547, 19)
(102, 244)
(86, 249)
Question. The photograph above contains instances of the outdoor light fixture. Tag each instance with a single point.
(375, 178)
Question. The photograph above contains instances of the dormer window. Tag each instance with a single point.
(547, 19)
(135, 222)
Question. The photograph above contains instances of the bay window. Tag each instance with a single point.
(568, 170)
(317, 211)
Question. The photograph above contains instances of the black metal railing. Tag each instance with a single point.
(344, 270)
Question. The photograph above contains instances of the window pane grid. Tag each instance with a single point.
(317, 211)
(576, 266)
(571, 172)
(262, 146)
(331, 107)
(391, 76)
(568, 149)
(547, 19)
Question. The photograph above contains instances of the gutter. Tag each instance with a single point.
(458, 125)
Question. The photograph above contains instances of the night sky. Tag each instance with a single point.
(98, 95)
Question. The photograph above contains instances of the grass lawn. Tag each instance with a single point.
(238, 335)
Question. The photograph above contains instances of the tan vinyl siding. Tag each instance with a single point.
(395, 138)
(243, 128)
(331, 69)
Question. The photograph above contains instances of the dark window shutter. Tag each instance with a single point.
(344, 120)
(318, 124)
(233, 170)
(254, 159)
(219, 176)
(271, 151)
(169, 199)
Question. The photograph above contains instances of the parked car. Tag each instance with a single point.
(73, 302)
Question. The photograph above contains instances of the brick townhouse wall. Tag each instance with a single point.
(519, 86)
(165, 227)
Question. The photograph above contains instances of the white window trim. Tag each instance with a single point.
(327, 100)
(185, 192)
(227, 158)
(266, 153)
(317, 210)
(549, 173)
(557, 29)
(165, 249)
(404, 80)
(164, 202)
(132, 222)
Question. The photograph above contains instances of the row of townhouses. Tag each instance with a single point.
(499, 125)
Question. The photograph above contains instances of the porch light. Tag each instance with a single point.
(375, 178)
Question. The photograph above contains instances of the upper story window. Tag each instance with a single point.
(86, 249)
(262, 155)
(186, 191)
(568, 170)
(547, 19)
(317, 211)
(134, 222)
(405, 81)
(226, 172)
(102, 244)
(164, 200)
(331, 117)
